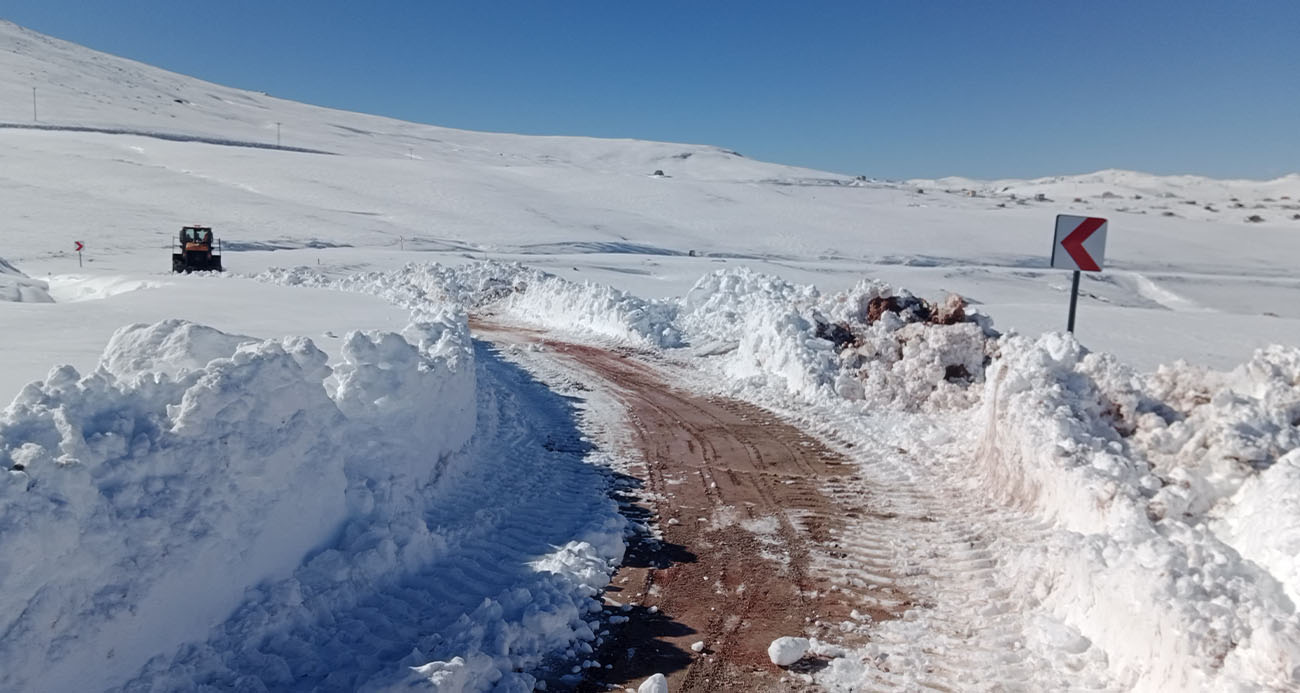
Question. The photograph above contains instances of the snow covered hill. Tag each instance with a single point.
(1134, 193)
(451, 526)
(86, 89)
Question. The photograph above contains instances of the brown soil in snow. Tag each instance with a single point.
(735, 493)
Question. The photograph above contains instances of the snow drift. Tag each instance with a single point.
(16, 286)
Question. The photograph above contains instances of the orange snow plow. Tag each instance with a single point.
(198, 252)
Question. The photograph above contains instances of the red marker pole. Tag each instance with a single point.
(79, 247)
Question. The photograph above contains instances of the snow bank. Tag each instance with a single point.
(16, 286)
(137, 510)
(563, 305)
(1083, 441)
(525, 295)
(871, 343)
(470, 552)
(141, 501)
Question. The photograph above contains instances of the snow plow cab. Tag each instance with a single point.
(197, 250)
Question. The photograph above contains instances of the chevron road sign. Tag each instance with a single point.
(1079, 245)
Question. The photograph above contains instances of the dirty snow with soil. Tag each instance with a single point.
(308, 475)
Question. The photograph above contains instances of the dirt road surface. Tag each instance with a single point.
(745, 541)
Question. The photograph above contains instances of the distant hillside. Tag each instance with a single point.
(1193, 197)
(84, 88)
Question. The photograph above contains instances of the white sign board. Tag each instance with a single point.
(1080, 243)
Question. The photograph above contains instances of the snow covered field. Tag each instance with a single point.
(307, 474)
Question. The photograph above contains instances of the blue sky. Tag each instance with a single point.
(887, 89)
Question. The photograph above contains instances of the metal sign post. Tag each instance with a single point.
(1079, 245)
(1074, 301)
(79, 248)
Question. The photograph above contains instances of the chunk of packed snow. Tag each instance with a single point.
(655, 684)
(787, 650)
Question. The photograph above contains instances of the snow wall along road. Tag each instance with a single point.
(141, 501)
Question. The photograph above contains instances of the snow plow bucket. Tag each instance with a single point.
(196, 262)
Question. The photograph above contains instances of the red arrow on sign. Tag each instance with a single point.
(79, 246)
(1073, 244)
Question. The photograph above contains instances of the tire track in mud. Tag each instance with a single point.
(736, 553)
(737, 490)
